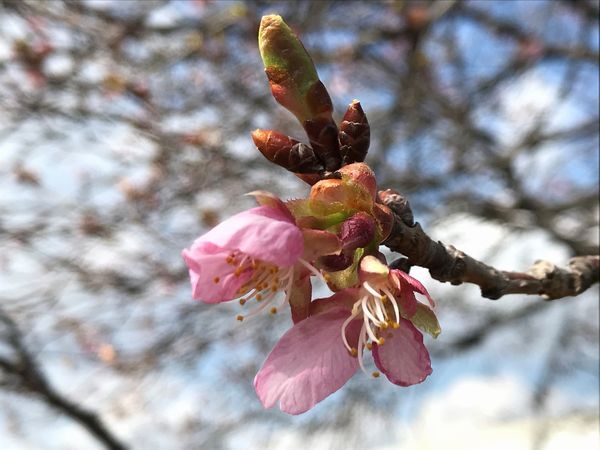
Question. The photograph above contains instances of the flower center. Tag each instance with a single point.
(379, 311)
(265, 282)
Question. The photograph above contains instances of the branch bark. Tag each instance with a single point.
(449, 264)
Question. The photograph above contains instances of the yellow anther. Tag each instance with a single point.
(395, 325)
(242, 301)
(273, 310)
(376, 374)
(216, 280)
(384, 298)
(229, 260)
(384, 325)
(381, 341)
(258, 297)
(240, 318)
(369, 346)
(354, 352)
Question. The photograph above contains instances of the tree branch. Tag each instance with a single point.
(28, 377)
(448, 264)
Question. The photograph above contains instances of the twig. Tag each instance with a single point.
(28, 377)
(448, 264)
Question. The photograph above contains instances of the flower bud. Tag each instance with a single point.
(357, 231)
(289, 68)
(355, 134)
(362, 175)
(286, 152)
(296, 86)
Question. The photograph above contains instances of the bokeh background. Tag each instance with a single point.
(124, 134)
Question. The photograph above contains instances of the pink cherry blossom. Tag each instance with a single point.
(319, 354)
(252, 252)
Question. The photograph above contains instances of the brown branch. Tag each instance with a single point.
(448, 264)
(28, 377)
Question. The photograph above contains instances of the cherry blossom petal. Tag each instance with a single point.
(408, 303)
(265, 198)
(403, 359)
(263, 233)
(415, 285)
(213, 280)
(308, 363)
(342, 299)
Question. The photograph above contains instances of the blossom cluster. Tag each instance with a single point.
(268, 255)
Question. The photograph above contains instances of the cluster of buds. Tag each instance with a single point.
(268, 255)
(296, 86)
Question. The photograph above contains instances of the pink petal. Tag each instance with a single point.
(403, 359)
(205, 267)
(265, 198)
(308, 363)
(415, 285)
(408, 303)
(263, 233)
(341, 299)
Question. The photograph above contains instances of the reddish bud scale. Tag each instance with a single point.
(362, 175)
(354, 135)
(321, 129)
(323, 136)
(286, 152)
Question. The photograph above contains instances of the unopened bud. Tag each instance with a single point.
(296, 86)
(362, 175)
(289, 68)
(357, 231)
(355, 134)
(286, 152)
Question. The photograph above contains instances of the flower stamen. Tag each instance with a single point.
(394, 305)
(344, 326)
(312, 269)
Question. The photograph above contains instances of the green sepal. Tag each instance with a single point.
(346, 278)
(425, 320)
